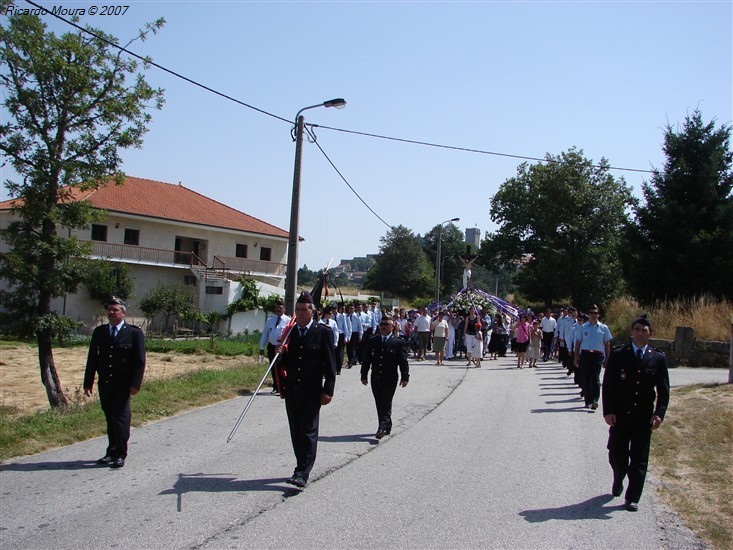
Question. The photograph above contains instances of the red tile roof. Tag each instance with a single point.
(156, 199)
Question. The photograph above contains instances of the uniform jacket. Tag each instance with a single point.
(630, 388)
(309, 362)
(385, 359)
(119, 362)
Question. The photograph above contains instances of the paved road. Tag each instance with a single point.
(478, 458)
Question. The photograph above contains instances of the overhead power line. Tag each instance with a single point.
(152, 63)
(314, 140)
(467, 149)
(366, 134)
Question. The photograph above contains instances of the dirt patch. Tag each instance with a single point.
(20, 380)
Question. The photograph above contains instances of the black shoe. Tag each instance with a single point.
(118, 462)
(274, 390)
(594, 406)
(298, 480)
(632, 506)
(617, 489)
(106, 460)
(380, 434)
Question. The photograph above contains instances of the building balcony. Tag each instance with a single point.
(221, 265)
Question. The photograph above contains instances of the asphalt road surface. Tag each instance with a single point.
(478, 458)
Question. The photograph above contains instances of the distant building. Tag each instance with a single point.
(473, 237)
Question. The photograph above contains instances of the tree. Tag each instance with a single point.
(682, 242)
(249, 297)
(104, 279)
(306, 277)
(451, 245)
(560, 225)
(168, 299)
(70, 109)
(401, 267)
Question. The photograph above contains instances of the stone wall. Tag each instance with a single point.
(687, 351)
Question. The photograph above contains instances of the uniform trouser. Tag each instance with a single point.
(628, 453)
(116, 408)
(547, 338)
(565, 358)
(340, 347)
(423, 338)
(590, 364)
(303, 416)
(363, 344)
(383, 392)
(271, 351)
(353, 348)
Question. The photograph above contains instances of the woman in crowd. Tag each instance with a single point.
(521, 335)
(535, 342)
(474, 338)
(497, 342)
(439, 329)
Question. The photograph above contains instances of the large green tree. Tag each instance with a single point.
(70, 107)
(560, 225)
(401, 267)
(682, 241)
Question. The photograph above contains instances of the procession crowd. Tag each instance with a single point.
(309, 351)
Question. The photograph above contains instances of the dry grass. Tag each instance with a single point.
(710, 318)
(691, 454)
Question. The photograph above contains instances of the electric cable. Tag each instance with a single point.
(314, 140)
(355, 132)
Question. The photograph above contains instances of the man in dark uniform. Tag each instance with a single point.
(636, 376)
(310, 367)
(385, 353)
(117, 355)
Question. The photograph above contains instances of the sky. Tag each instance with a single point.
(515, 78)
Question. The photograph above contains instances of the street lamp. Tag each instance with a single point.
(437, 259)
(291, 273)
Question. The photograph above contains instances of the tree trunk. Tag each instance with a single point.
(49, 376)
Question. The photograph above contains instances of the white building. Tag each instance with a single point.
(171, 234)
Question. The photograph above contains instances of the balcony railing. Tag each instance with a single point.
(141, 254)
(244, 265)
(155, 256)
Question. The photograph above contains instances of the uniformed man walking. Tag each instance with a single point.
(117, 355)
(385, 354)
(636, 376)
(592, 348)
(271, 336)
(310, 367)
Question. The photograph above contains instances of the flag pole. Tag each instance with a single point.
(251, 399)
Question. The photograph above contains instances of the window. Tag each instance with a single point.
(132, 237)
(189, 280)
(99, 232)
(241, 251)
(214, 290)
(265, 253)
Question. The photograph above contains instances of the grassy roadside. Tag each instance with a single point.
(24, 434)
(691, 455)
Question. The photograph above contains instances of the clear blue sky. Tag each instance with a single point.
(520, 78)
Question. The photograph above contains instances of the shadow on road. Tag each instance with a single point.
(38, 466)
(594, 508)
(579, 408)
(216, 483)
(348, 438)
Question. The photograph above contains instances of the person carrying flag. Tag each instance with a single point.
(309, 365)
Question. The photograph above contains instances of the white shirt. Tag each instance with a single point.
(273, 329)
(548, 324)
(422, 323)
